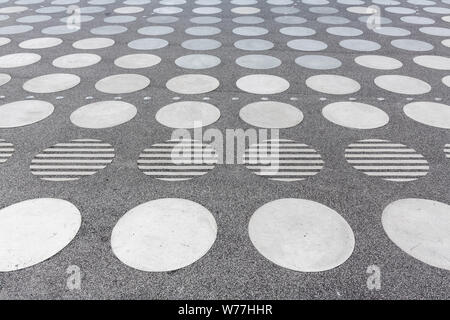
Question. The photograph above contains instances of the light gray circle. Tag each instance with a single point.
(197, 61)
(318, 62)
(359, 45)
(253, 44)
(201, 44)
(307, 45)
(412, 45)
(258, 62)
(148, 44)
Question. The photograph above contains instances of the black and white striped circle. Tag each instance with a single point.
(177, 160)
(73, 160)
(447, 150)
(6, 150)
(283, 160)
(387, 160)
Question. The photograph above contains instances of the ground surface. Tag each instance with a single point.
(232, 267)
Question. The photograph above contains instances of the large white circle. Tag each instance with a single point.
(122, 83)
(192, 84)
(50, 83)
(93, 43)
(333, 84)
(430, 113)
(262, 84)
(164, 235)
(137, 61)
(355, 115)
(378, 62)
(40, 43)
(421, 228)
(402, 84)
(76, 60)
(301, 235)
(187, 114)
(34, 230)
(15, 60)
(271, 114)
(433, 62)
(25, 112)
(103, 114)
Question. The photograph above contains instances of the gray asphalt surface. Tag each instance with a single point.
(233, 268)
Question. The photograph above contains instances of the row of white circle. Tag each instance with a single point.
(179, 160)
(262, 84)
(206, 61)
(296, 234)
(195, 114)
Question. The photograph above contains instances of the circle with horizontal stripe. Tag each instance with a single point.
(447, 150)
(283, 160)
(70, 161)
(177, 160)
(6, 150)
(387, 160)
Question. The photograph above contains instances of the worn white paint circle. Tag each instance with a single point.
(93, 43)
(103, 114)
(25, 112)
(271, 114)
(15, 60)
(402, 84)
(430, 113)
(333, 84)
(192, 84)
(122, 83)
(378, 62)
(262, 84)
(137, 61)
(40, 43)
(50, 83)
(76, 60)
(301, 235)
(355, 115)
(187, 114)
(34, 230)
(433, 62)
(164, 235)
(421, 228)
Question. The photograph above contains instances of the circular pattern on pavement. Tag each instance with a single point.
(181, 232)
(187, 114)
(25, 112)
(192, 84)
(333, 84)
(429, 113)
(262, 84)
(355, 115)
(421, 228)
(73, 160)
(33, 231)
(271, 114)
(301, 235)
(387, 160)
(122, 83)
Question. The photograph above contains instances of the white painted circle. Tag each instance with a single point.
(181, 232)
(137, 61)
(378, 62)
(421, 228)
(122, 83)
(333, 84)
(73, 160)
(258, 61)
(50, 83)
(301, 235)
(15, 60)
(197, 61)
(386, 160)
(271, 114)
(402, 84)
(6, 150)
(433, 62)
(187, 114)
(76, 60)
(103, 114)
(262, 84)
(25, 112)
(34, 230)
(4, 78)
(430, 113)
(40, 43)
(355, 115)
(177, 160)
(192, 84)
(93, 43)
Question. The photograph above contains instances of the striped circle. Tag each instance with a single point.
(386, 160)
(177, 160)
(447, 150)
(283, 160)
(73, 160)
(6, 150)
